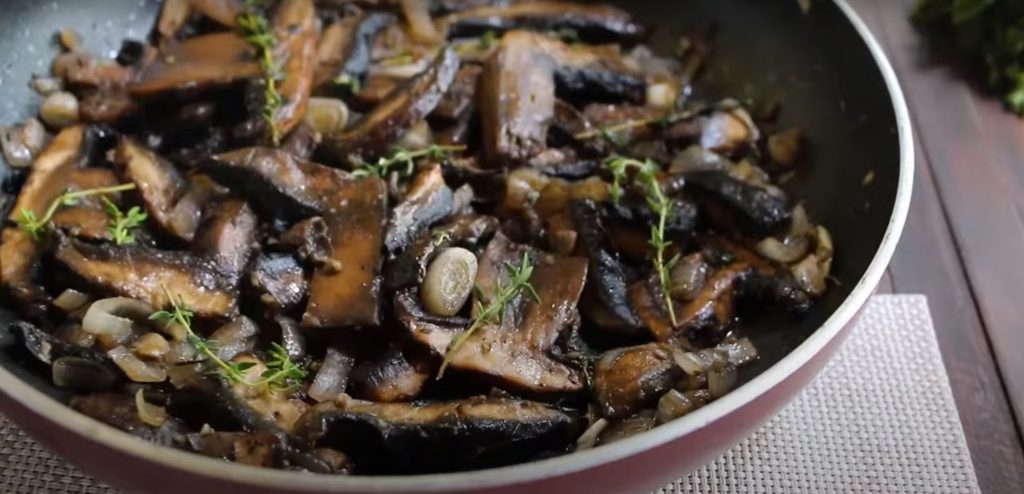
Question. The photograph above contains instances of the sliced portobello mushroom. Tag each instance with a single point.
(408, 438)
(407, 105)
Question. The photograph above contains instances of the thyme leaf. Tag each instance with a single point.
(494, 310)
(403, 157)
(259, 34)
(646, 176)
(36, 226)
(281, 372)
(121, 223)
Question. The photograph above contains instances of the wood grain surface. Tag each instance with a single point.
(963, 238)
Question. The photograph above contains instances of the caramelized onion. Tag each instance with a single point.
(149, 414)
(137, 370)
(675, 404)
(82, 374)
(115, 316)
(71, 300)
(721, 381)
(589, 437)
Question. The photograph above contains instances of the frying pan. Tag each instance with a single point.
(829, 76)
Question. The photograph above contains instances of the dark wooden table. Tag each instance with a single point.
(964, 240)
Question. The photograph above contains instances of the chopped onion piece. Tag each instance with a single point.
(82, 374)
(589, 437)
(687, 361)
(71, 300)
(741, 352)
(149, 414)
(137, 370)
(114, 316)
(721, 381)
(675, 404)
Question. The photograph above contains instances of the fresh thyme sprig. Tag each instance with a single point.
(121, 223)
(258, 33)
(350, 82)
(35, 226)
(494, 310)
(281, 372)
(610, 132)
(441, 236)
(399, 157)
(646, 176)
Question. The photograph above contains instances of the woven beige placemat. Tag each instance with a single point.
(880, 419)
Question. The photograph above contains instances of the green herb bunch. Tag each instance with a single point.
(401, 157)
(990, 33)
(281, 372)
(259, 34)
(35, 226)
(493, 310)
(646, 175)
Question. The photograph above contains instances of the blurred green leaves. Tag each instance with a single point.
(990, 33)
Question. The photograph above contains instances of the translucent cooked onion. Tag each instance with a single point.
(149, 414)
(675, 404)
(721, 381)
(688, 277)
(740, 352)
(661, 95)
(82, 374)
(114, 316)
(687, 361)
(151, 345)
(417, 138)
(60, 109)
(327, 115)
(642, 422)
(137, 370)
(332, 378)
(589, 437)
(421, 26)
(795, 244)
(403, 71)
(71, 300)
(812, 272)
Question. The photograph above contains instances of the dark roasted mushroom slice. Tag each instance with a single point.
(407, 438)
(201, 62)
(345, 46)
(346, 290)
(149, 275)
(120, 411)
(296, 31)
(606, 276)
(88, 219)
(518, 90)
(627, 380)
(591, 22)
(406, 106)
(428, 201)
(280, 280)
(47, 348)
(259, 449)
(227, 236)
(310, 240)
(389, 377)
(516, 352)
(409, 268)
(711, 311)
(280, 185)
(747, 207)
(50, 174)
(169, 197)
(461, 97)
(517, 99)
